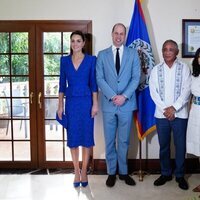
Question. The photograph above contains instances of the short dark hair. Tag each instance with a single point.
(119, 24)
(170, 41)
(195, 64)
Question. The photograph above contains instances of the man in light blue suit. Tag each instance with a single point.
(118, 101)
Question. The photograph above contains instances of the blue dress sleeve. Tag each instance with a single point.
(93, 83)
(62, 82)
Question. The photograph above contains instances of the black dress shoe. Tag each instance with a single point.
(182, 183)
(110, 182)
(162, 180)
(128, 180)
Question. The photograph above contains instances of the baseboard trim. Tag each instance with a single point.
(151, 166)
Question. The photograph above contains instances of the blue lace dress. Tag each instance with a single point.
(78, 85)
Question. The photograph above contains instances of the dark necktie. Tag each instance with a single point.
(117, 61)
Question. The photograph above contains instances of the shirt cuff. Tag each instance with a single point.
(125, 97)
(112, 98)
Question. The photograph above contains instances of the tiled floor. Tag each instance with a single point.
(60, 187)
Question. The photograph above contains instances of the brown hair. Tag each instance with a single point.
(119, 24)
(80, 33)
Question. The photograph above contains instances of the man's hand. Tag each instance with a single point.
(169, 113)
(119, 100)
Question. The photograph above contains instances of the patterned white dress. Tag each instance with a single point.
(193, 129)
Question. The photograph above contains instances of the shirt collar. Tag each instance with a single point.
(120, 48)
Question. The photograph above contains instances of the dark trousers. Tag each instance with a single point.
(164, 128)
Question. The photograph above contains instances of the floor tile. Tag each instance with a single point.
(60, 187)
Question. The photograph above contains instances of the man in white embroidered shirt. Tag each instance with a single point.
(170, 90)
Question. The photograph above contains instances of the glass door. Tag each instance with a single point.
(17, 144)
(54, 42)
(30, 54)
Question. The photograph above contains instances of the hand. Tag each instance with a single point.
(119, 100)
(95, 110)
(169, 113)
(60, 111)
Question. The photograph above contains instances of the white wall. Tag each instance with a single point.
(163, 18)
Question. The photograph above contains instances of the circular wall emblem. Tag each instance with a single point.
(147, 61)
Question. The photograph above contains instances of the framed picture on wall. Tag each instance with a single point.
(190, 37)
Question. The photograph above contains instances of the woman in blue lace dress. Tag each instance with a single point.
(78, 84)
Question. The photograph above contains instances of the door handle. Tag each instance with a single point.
(31, 97)
(39, 100)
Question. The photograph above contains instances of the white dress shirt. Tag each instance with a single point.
(180, 104)
(121, 50)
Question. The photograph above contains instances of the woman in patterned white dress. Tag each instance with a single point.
(193, 129)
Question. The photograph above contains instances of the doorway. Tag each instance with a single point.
(30, 54)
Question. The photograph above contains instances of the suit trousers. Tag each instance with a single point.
(117, 128)
(164, 128)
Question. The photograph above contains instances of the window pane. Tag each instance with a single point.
(53, 131)
(19, 42)
(22, 151)
(52, 42)
(19, 65)
(4, 86)
(66, 42)
(5, 129)
(5, 151)
(21, 129)
(52, 64)
(68, 154)
(20, 89)
(51, 86)
(20, 108)
(4, 65)
(4, 42)
(54, 151)
(51, 106)
(4, 110)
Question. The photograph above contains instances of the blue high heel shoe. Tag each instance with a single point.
(84, 184)
(76, 184)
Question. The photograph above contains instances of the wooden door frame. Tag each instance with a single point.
(54, 26)
(35, 28)
(21, 26)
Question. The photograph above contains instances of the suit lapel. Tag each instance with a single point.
(111, 63)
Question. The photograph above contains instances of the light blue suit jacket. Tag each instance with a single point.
(125, 83)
